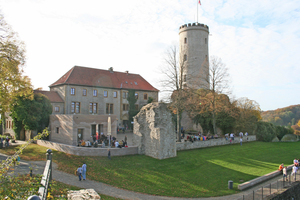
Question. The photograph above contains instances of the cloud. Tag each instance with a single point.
(257, 40)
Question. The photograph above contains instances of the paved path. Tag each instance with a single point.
(38, 168)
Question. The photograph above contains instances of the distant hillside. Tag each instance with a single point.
(287, 116)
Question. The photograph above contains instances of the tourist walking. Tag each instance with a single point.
(284, 173)
(79, 172)
(294, 171)
(84, 171)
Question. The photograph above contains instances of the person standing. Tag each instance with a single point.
(284, 173)
(108, 154)
(294, 171)
(7, 141)
(125, 140)
(79, 172)
(84, 171)
(241, 141)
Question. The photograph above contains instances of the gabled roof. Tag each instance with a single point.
(52, 95)
(103, 78)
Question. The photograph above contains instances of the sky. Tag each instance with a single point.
(258, 41)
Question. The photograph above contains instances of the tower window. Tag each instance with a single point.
(185, 40)
(184, 78)
(184, 57)
(205, 40)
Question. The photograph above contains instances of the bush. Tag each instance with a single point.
(265, 131)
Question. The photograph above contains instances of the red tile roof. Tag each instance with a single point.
(52, 95)
(103, 78)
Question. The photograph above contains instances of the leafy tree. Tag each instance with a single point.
(12, 58)
(249, 115)
(31, 114)
(132, 110)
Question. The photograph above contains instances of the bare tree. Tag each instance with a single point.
(173, 81)
(218, 82)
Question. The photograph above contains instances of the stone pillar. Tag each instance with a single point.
(154, 132)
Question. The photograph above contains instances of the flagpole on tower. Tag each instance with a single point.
(198, 1)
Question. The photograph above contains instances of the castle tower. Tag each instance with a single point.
(193, 51)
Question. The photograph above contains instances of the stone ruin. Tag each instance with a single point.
(154, 132)
(83, 194)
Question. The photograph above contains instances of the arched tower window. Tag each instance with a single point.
(185, 40)
(184, 57)
(205, 40)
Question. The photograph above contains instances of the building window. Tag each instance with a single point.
(125, 107)
(105, 94)
(136, 95)
(185, 57)
(75, 107)
(205, 40)
(84, 92)
(145, 96)
(115, 94)
(95, 93)
(125, 95)
(136, 107)
(109, 108)
(72, 91)
(185, 40)
(184, 78)
(57, 130)
(56, 109)
(93, 108)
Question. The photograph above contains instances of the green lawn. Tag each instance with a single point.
(194, 173)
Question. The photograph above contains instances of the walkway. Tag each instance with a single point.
(38, 168)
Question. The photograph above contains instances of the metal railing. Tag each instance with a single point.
(276, 187)
(46, 179)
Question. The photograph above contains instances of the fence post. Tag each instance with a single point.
(262, 192)
(49, 157)
(253, 194)
(270, 188)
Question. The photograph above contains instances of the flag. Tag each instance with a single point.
(199, 2)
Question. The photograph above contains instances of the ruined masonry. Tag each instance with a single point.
(154, 133)
(83, 194)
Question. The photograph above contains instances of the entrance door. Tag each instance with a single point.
(79, 134)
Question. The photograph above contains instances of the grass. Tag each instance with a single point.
(193, 173)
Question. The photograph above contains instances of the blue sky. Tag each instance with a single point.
(259, 41)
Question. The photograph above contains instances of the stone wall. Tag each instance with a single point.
(212, 142)
(83, 194)
(291, 193)
(87, 151)
(154, 133)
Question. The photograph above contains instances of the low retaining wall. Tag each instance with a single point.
(260, 179)
(87, 151)
(212, 142)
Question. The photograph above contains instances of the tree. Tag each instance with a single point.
(12, 59)
(173, 82)
(218, 83)
(132, 110)
(31, 114)
(249, 115)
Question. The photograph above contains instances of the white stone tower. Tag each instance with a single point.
(193, 51)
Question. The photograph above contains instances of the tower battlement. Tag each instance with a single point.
(193, 25)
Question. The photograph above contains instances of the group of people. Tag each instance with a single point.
(6, 141)
(81, 172)
(295, 168)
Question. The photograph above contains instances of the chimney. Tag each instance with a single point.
(111, 69)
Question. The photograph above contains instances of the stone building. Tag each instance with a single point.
(84, 98)
(193, 49)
